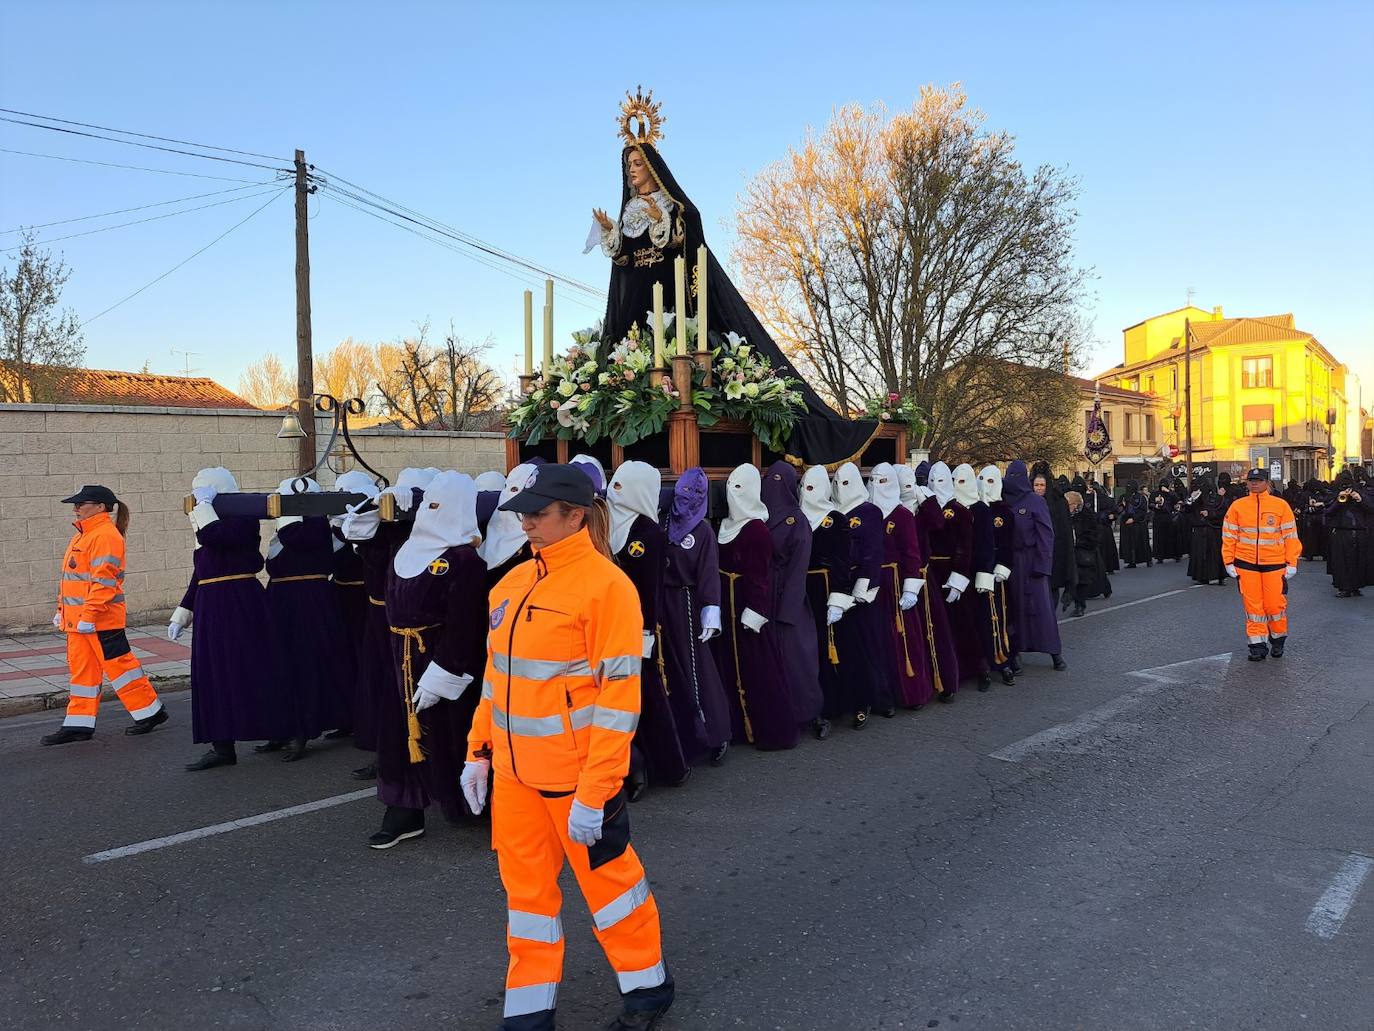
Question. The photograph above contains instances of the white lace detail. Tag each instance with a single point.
(634, 220)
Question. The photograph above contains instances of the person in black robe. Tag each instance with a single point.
(946, 529)
(1207, 510)
(350, 586)
(1003, 555)
(1134, 513)
(829, 587)
(1312, 528)
(1161, 527)
(1090, 580)
(863, 630)
(1105, 507)
(504, 544)
(657, 223)
(1061, 576)
(1347, 521)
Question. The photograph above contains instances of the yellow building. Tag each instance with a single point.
(1263, 391)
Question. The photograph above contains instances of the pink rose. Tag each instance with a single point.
(586, 387)
(634, 346)
(629, 374)
(892, 399)
(553, 405)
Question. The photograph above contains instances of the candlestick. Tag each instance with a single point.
(680, 285)
(658, 325)
(548, 292)
(529, 332)
(548, 338)
(703, 340)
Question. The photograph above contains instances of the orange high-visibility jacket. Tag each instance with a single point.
(560, 700)
(92, 588)
(1260, 534)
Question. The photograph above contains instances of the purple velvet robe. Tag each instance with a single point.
(793, 623)
(749, 663)
(236, 677)
(863, 632)
(829, 572)
(1034, 627)
(930, 521)
(350, 588)
(908, 630)
(691, 581)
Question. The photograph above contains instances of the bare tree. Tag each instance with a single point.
(266, 384)
(915, 255)
(437, 387)
(349, 370)
(41, 346)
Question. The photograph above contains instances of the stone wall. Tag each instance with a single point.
(147, 456)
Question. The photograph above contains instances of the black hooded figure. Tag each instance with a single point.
(1063, 572)
(820, 436)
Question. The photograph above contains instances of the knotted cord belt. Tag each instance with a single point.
(297, 579)
(376, 601)
(824, 574)
(409, 634)
(897, 608)
(734, 645)
(226, 579)
(348, 583)
(930, 632)
(1001, 643)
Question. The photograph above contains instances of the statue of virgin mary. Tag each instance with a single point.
(658, 222)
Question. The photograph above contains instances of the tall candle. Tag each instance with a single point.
(548, 338)
(529, 332)
(548, 292)
(703, 341)
(680, 284)
(658, 325)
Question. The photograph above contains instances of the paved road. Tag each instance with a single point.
(1101, 848)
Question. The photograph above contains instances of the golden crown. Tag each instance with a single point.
(640, 118)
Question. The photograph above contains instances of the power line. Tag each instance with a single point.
(125, 211)
(133, 168)
(135, 143)
(179, 264)
(140, 221)
(143, 135)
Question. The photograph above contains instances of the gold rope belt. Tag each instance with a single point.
(376, 601)
(734, 643)
(297, 579)
(824, 574)
(226, 579)
(411, 634)
(930, 632)
(348, 583)
(897, 608)
(998, 653)
(1006, 634)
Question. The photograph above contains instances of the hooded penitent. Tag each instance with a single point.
(744, 501)
(816, 500)
(850, 491)
(689, 504)
(904, 642)
(941, 483)
(1034, 627)
(906, 480)
(505, 536)
(290, 485)
(884, 489)
(990, 484)
(792, 619)
(490, 480)
(966, 486)
(446, 518)
(355, 481)
(923, 474)
(632, 492)
(591, 465)
(218, 477)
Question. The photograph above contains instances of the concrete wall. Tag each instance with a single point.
(147, 456)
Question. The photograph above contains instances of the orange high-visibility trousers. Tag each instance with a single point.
(530, 834)
(93, 657)
(1266, 606)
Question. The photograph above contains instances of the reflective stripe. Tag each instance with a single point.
(527, 726)
(84, 722)
(82, 691)
(539, 669)
(581, 718)
(1277, 619)
(649, 977)
(613, 912)
(76, 576)
(533, 927)
(118, 599)
(147, 710)
(66, 600)
(487, 691)
(618, 667)
(1258, 640)
(1229, 535)
(534, 998)
(125, 679)
(1288, 526)
(1255, 617)
(113, 560)
(615, 719)
(105, 580)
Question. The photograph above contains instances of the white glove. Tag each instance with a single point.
(907, 600)
(752, 620)
(983, 583)
(57, 620)
(647, 649)
(423, 699)
(1000, 573)
(1231, 571)
(473, 781)
(710, 622)
(85, 628)
(584, 824)
(204, 495)
(833, 614)
(174, 630)
(953, 594)
(405, 499)
(1290, 572)
(861, 590)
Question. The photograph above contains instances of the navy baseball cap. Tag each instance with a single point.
(92, 492)
(550, 483)
(1257, 474)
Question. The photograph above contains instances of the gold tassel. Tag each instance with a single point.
(834, 654)
(413, 725)
(901, 623)
(409, 634)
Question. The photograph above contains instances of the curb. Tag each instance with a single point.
(58, 699)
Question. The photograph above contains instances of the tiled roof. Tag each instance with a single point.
(108, 387)
(1248, 330)
(1088, 386)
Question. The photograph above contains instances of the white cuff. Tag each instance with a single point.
(843, 602)
(203, 515)
(361, 526)
(710, 617)
(647, 650)
(181, 617)
(1001, 572)
(912, 585)
(958, 581)
(861, 589)
(871, 595)
(752, 620)
(288, 520)
(439, 681)
(984, 582)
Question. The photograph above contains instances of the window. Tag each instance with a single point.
(1257, 372)
(1258, 419)
(1130, 426)
(1149, 428)
(1173, 378)
(1150, 384)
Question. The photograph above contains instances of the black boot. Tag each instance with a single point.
(1059, 664)
(338, 735)
(221, 753)
(1080, 608)
(820, 726)
(887, 711)
(1276, 646)
(637, 1020)
(1015, 665)
(718, 754)
(66, 735)
(984, 682)
(946, 697)
(295, 750)
(365, 772)
(397, 825)
(1008, 677)
(1258, 652)
(269, 746)
(147, 724)
(635, 785)
(861, 719)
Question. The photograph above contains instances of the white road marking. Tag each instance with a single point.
(1331, 909)
(1128, 604)
(1093, 719)
(225, 828)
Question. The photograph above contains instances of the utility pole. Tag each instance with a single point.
(305, 356)
(1188, 398)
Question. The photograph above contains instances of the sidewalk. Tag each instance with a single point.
(33, 667)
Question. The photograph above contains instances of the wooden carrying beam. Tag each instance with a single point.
(274, 506)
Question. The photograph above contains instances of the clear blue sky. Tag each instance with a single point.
(1224, 147)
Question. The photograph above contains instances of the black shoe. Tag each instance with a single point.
(1008, 677)
(984, 682)
(820, 726)
(888, 711)
(365, 772)
(295, 750)
(861, 719)
(1015, 667)
(211, 759)
(67, 735)
(683, 779)
(397, 825)
(1258, 653)
(269, 746)
(635, 785)
(637, 1020)
(946, 697)
(1130, 565)
(1059, 664)
(147, 724)
(1080, 609)
(1276, 645)
(718, 754)
(1066, 604)
(336, 735)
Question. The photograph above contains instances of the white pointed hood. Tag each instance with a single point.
(990, 484)
(941, 483)
(884, 490)
(906, 480)
(632, 492)
(505, 536)
(298, 485)
(447, 517)
(355, 481)
(850, 491)
(491, 480)
(745, 501)
(816, 499)
(218, 477)
(965, 485)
